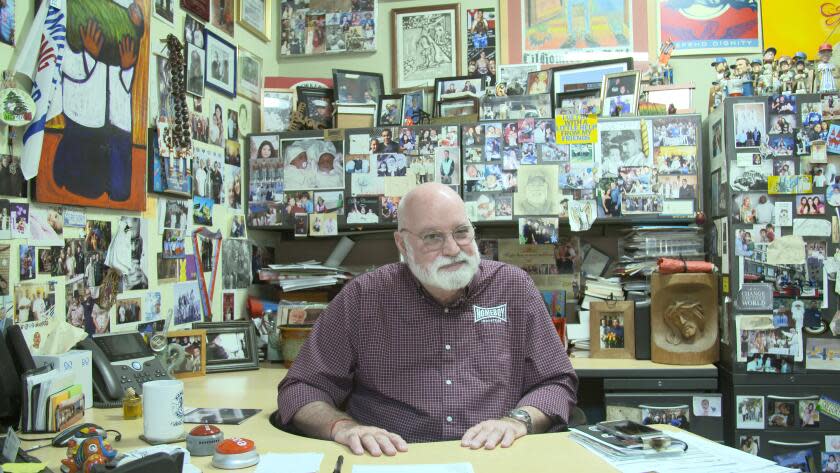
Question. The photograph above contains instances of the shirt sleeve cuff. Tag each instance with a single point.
(291, 397)
(553, 401)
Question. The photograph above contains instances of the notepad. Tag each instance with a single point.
(431, 468)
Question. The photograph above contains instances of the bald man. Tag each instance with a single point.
(441, 346)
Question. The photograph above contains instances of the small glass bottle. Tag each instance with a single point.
(132, 405)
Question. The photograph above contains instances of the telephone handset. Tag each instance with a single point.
(120, 361)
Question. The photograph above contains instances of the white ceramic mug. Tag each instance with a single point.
(163, 410)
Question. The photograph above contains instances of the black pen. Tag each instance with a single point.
(338, 464)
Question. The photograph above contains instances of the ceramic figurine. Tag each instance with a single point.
(717, 94)
(826, 73)
(742, 69)
(735, 83)
(755, 73)
(720, 67)
(84, 453)
(785, 75)
(802, 78)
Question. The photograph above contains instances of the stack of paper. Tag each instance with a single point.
(52, 401)
(305, 275)
(701, 456)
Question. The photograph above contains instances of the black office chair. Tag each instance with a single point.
(577, 417)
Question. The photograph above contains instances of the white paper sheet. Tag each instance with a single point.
(290, 463)
(432, 468)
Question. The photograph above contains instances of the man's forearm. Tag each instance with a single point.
(540, 421)
(318, 418)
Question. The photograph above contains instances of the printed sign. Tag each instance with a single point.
(576, 129)
(755, 297)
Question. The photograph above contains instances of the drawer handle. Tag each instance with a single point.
(794, 444)
(643, 406)
(793, 398)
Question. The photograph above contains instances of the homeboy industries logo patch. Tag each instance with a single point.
(490, 314)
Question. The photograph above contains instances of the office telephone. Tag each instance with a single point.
(120, 361)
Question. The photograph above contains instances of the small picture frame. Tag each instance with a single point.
(255, 16)
(199, 8)
(276, 109)
(184, 355)
(231, 346)
(539, 82)
(412, 107)
(317, 105)
(355, 87)
(595, 262)
(390, 110)
(611, 329)
(677, 98)
(457, 87)
(583, 102)
(620, 94)
(249, 80)
(220, 64)
(458, 107)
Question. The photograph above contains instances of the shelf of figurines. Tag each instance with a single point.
(771, 75)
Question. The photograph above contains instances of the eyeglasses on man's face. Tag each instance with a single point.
(435, 241)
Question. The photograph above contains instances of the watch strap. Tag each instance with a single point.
(523, 416)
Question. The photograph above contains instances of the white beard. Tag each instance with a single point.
(446, 280)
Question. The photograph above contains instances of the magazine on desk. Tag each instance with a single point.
(593, 436)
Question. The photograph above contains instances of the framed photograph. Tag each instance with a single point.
(195, 69)
(587, 75)
(168, 174)
(164, 11)
(249, 81)
(620, 94)
(611, 329)
(584, 102)
(353, 87)
(455, 87)
(255, 16)
(220, 64)
(184, 356)
(276, 109)
(194, 32)
(425, 44)
(595, 262)
(539, 82)
(678, 98)
(390, 110)
(231, 346)
(318, 104)
(199, 8)
(516, 107)
(222, 14)
(412, 107)
(460, 107)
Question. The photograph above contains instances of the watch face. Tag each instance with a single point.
(157, 342)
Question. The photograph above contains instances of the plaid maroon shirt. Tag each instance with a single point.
(392, 357)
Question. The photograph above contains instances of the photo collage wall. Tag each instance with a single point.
(783, 206)
(304, 181)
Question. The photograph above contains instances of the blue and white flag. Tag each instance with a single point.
(40, 59)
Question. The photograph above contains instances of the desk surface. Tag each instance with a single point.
(607, 368)
(257, 389)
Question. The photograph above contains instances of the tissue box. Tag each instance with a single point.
(76, 362)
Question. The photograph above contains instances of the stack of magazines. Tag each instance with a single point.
(620, 447)
(305, 275)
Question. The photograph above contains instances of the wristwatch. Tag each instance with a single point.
(522, 416)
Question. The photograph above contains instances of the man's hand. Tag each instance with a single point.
(373, 439)
(490, 433)
(127, 55)
(92, 38)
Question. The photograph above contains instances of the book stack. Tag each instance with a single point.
(305, 275)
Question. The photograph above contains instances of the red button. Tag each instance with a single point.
(235, 445)
(204, 430)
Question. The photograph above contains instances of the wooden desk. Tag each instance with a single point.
(257, 389)
(609, 368)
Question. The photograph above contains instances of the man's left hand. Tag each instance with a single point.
(490, 433)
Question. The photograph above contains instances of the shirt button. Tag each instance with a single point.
(447, 347)
(448, 381)
(448, 418)
(446, 310)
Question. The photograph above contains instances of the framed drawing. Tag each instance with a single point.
(353, 87)
(620, 94)
(255, 16)
(276, 109)
(220, 64)
(231, 346)
(74, 169)
(185, 353)
(425, 44)
(611, 333)
(535, 31)
(199, 8)
(249, 80)
(724, 28)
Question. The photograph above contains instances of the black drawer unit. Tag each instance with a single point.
(675, 408)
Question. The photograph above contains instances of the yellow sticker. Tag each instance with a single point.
(576, 129)
(724, 281)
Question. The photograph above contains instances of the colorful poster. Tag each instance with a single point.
(481, 44)
(550, 32)
(810, 24)
(94, 152)
(726, 27)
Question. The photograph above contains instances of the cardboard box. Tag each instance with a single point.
(76, 362)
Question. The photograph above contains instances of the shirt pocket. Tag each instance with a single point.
(492, 359)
